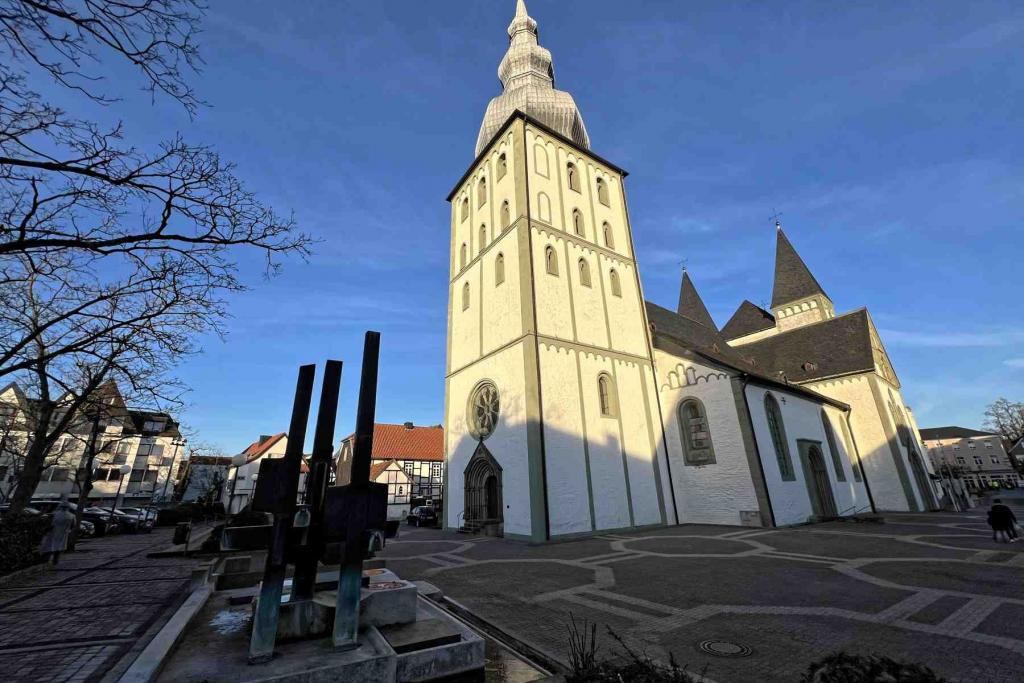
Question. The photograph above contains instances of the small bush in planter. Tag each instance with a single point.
(843, 668)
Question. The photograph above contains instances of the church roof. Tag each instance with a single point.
(748, 319)
(527, 77)
(833, 347)
(692, 306)
(793, 279)
(932, 433)
(710, 344)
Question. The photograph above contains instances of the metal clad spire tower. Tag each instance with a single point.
(528, 79)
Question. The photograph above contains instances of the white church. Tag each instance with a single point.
(573, 406)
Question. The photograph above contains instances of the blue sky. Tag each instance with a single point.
(888, 134)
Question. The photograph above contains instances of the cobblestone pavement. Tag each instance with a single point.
(930, 588)
(75, 622)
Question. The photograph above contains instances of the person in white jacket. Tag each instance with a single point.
(56, 539)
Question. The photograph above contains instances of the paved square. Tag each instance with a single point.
(930, 588)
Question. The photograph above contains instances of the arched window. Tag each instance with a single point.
(616, 286)
(550, 260)
(465, 296)
(695, 433)
(540, 160)
(606, 395)
(506, 215)
(483, 237)
(602, 192)
(499, 269)
(577, 222)
(544, 207)
(465, 208)
(584, 272)
(574, 176)
(463, 252)
(830, 437)
(481, 192)
(778, 433)
(606, 230)
(502, 166)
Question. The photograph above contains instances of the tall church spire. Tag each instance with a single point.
(692, 306)
(528, 79)
(793, 279)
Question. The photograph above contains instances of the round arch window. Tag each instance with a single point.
(484, 407)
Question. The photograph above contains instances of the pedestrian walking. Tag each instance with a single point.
(56, 539)
(1001, 518)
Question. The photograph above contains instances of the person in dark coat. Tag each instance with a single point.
(1001, 518)
(56, 539)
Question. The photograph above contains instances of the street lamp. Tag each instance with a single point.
(252, 489)
(125, 470)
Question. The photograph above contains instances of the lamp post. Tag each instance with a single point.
(125, 470)
(252, 489)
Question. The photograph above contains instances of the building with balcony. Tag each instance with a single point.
(979, 457)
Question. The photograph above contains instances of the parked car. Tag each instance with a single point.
(422, 516)
(49, 505)
(101, 520)
(142, 513)
(134, 519)
(86, 528)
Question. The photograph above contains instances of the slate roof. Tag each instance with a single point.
(748, 319)
(692, 306)
(932, 433)
(712, 345)
(398, 442)
(830, 348)
(793, 279)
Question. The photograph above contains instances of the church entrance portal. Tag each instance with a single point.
(924, 486)
(819, 486)
(483, 507)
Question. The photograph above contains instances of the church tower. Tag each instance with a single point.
(552, 425)
(797, 298)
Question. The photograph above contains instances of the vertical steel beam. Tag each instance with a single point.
(346, 616)
(264, 627)
(304, 581)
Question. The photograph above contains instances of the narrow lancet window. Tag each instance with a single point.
(613, 281)
(573, 176)
(550, 261)
(499, 269)
(602, 192)
(584, 272)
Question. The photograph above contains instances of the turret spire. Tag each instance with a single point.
(528, 78)
(793, 279)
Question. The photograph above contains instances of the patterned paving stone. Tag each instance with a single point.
(61, 665)
(982, 579)
(109, 594)
(688, 546)
(850, 546)
(939, 610)
(1007, 621)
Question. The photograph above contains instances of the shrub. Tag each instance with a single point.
(20, 536)
(586, 666)
(843, 668)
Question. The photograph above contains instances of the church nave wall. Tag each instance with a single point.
(717, 492)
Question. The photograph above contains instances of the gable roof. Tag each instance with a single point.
(748, 319)
(692, 306)
(952, 432)
(833, 347)
(793, 279)
(712, 346)
(398, 442)
(377, 468)
(257, 448)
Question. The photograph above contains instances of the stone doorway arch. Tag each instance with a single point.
(483, 493)
(819, 486)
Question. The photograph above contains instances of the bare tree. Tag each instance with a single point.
(1006, 418)
(113, 257)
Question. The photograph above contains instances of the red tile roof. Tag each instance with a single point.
(396, 442)
(378, 468)
(256, 449)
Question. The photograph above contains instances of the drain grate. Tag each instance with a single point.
(722, 648)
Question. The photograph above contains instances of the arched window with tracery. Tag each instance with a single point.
(606, 394)
(614, 284)
(573, 176)
(550, 260)
(577, 222)
(506, 215)
(465, 296)
(602, 192)
(695, 433)
(481, 192)
(778, 433)
(584, 272)
(499, 269)
(606, 231)
(833, 447)
(463, 255)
